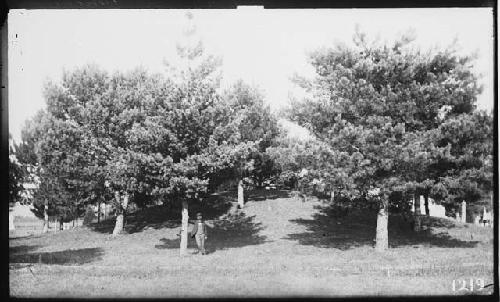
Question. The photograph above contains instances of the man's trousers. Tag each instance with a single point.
(200, 241)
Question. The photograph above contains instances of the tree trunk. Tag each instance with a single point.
(382, 237)
(45, 218)
(122, 208)
(125, 205)
(464, 213)
(184, 228)
(118, 224)
(241, 197)
(11, 222)
(426, 202)
(302, 191)
(332, 196)
(260, 182)
(421, 205)
(416, 214)
(416, 201)
(98, 212)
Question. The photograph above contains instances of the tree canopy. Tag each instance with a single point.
(17, 174)
(137, 135)
(392, 119)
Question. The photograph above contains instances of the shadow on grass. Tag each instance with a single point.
(22, 249)
(232, 231)
(343, 229)
(401, 234)
(168, 216)
(67, 257)
(437, 222)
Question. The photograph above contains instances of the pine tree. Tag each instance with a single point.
(375, 107)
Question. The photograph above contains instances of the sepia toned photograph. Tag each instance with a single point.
(251, 152)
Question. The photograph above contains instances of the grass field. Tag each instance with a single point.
(276, 246)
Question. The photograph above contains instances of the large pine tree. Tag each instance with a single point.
(375, 108)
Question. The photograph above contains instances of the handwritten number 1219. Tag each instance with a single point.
(468, 285)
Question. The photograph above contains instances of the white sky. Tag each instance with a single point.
(262, 47)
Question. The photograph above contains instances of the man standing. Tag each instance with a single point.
(199, 232)
(302, 183)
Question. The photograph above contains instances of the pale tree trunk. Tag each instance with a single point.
(184, 228)
(332, 196)
(464, 213)
(241, 197)
(416, 215)
(119, 215)
(382, 237)
(46, 218)
(125, 205)
(421, 205)
(302, 191)
(118, 225)
(122, 204)
(12, 227)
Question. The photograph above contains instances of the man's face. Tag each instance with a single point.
(199, 217)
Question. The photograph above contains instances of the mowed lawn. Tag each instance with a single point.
(276, 246)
